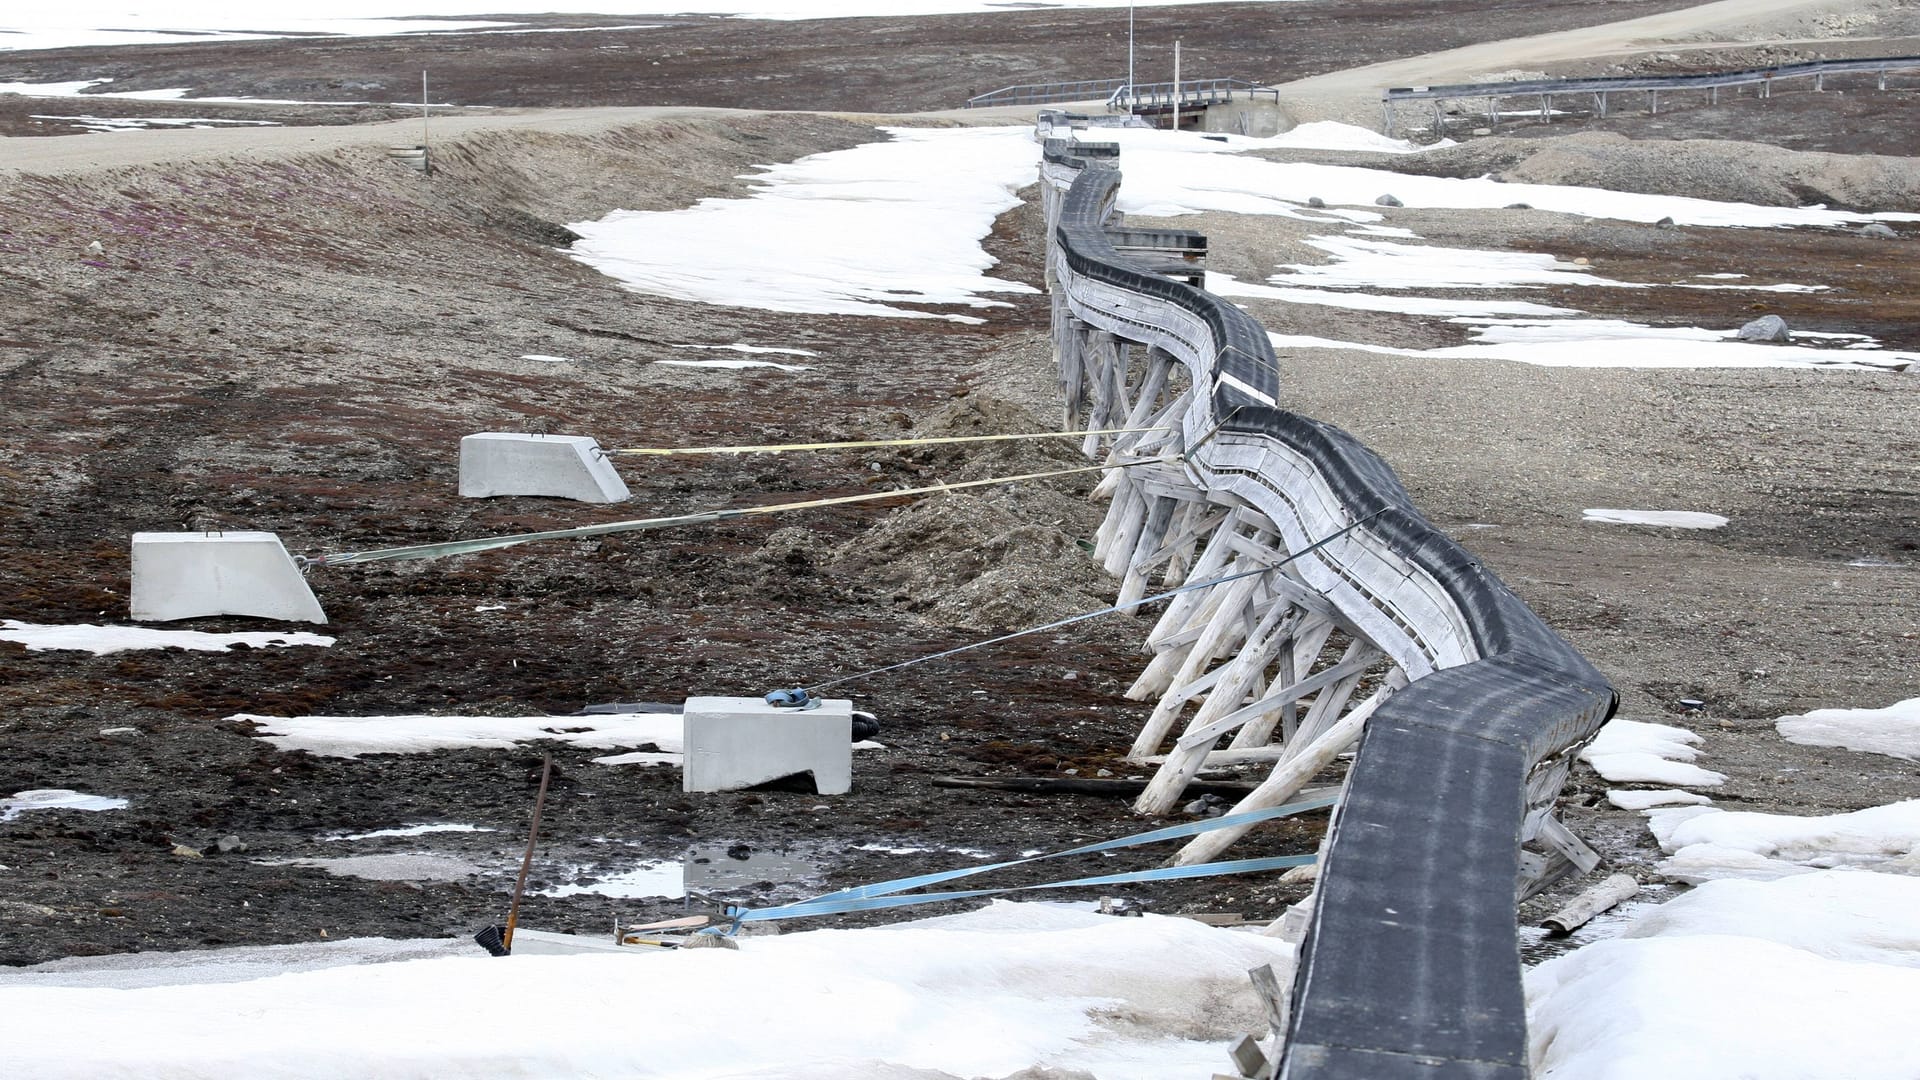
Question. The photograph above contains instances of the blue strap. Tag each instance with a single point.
(1172, 832)
(836, 904)
(882, 895)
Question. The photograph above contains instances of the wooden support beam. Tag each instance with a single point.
(1288, 778)
(1159, 518)
(1204, 737)
(1360, 656)
(1220, 636)
(1294, 664)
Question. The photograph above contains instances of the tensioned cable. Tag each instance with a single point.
(1071, 619)
(782, 448)
(491, 543)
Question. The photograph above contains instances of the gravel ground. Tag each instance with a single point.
(294, 338)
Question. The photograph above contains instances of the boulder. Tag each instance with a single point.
(1388, 200)
(1765, 328)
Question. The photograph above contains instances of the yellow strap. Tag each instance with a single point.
(491, 543)
(785, 447)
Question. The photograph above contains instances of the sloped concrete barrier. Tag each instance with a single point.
(196, 574)
(560, 466)
(737, 742)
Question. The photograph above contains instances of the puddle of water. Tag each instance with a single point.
(1537, 944)
(730, 868)
(705, 868)
(399, 867)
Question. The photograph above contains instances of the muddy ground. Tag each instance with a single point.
(296, 345)
(884, 65)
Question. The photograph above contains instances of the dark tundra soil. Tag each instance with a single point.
(886, 65)
(297, 346)
(296, 341)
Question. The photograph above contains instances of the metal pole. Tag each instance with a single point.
(1129, 59)
(426, 158)
(1176, 84)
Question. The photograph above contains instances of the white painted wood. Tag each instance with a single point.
(1222, 633)
(1288, 778)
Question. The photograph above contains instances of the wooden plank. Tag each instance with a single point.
(1205, 735)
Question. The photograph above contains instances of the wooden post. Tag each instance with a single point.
(1287, 779)
(1133, 585)
(1230, 601)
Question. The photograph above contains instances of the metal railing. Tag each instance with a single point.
(1047, 93)
(1602, 87)
(1187, 94)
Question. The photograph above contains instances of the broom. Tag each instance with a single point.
(498, 939)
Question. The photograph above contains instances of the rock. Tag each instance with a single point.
(1206, 806)
(186, 852)
(711, 941)
(1765, 328)
(1664, 223)
(1519, 206)
(1482, 132)
(95, 248)
(1388, 200)
(1316, 202)
(229, 845)
(1879, 231)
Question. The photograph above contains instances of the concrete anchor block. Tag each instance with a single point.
(738, 742)
(189, 575)
(561, 466)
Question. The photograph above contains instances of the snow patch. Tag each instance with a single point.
(1893, 731)
(102, 640)
(1631, 751)
(56, 799)
(1672, 519)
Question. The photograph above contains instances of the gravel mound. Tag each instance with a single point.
(1702, 168)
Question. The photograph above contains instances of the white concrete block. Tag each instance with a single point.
(562, 466)
(737, 742)
(189, 575)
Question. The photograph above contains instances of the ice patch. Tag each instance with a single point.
(1630, 751)
(1646, 800)
(1226, 285)
(1683, 349)
(733, 365)
(409, 830)
(351, 736)
(1893, 731)
(1707, 842)
(740, 346)
(547, 359)
(56, 799)
(1672, 519)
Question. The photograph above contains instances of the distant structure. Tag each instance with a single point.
(1592, 97)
